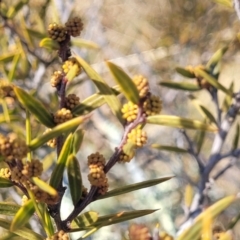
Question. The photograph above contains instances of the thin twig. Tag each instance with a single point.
(191, 150)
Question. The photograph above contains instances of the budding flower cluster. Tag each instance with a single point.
(61, 235)
(152, 105)
(74, 26)
(71, 101)
(6, 89)
(138, 137)
(69, 64)
(12, 147)
(97, 176)
(57, 32)
(32, 169)
(62, 115)
(56, 78)
(130, 111)
(142, 85)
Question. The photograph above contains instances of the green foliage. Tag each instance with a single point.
(34, 109)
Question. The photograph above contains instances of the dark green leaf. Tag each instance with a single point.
(57, 131)
(134, 187)
(22, 232)
(85, 220)
(74, 178)
(169, 148)
(35, 107)
(57, 173)
(104, 89)
(9, 209)
(128, 87)
(174, 121)
(236, 137)
(212, 81)
(4, 183)
(186, 86)
(208, 114)
(184, 72)
(200, 140)
(77, 140)
(93, 102)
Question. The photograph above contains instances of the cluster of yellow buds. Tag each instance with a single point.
(138, 137)
(5, 173)
(62, 115)
(56, 78)
(97, 176)
(68, 64)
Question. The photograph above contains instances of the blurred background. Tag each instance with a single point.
(144, 37)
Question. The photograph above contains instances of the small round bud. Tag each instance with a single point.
(57, 32)
(130, 111)
(53, 142)
(62, 115)
(96, 159)
(56, 78)
(152, 105)
(32, 169)
(142, 85)
(138, 137)
(71, 101)
(5, 173)
(103, 188)
(74, 26)
(69, 63)
(6, 89)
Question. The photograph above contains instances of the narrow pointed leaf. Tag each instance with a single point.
(226, 3)
(57, 131)
(35, 107)
(103, 88)
(57, 173)
(200, 140)
(23, 215)
(77, 140)
(216, 58)
(11, 74)
(74, 178)
(49, 44)
(3, 119)
(44, 186)
(184, 72)
(24, 232)
(48, 221)
(8, 57)
(85, 220)
(228, 99)
(13, 10)
(212, 81)
(236, 137)
(169, 148)
(208, 114)
(128, 88)
(174, 121)
(35, 33)
(194, 231)
(116, 218)
(4, 183)
(134, 187)
(81, 43)
(93, 102)
(186, 86)
(122, 216)
(188, 196)
(8, 209)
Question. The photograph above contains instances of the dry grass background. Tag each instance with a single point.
(150, 38)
